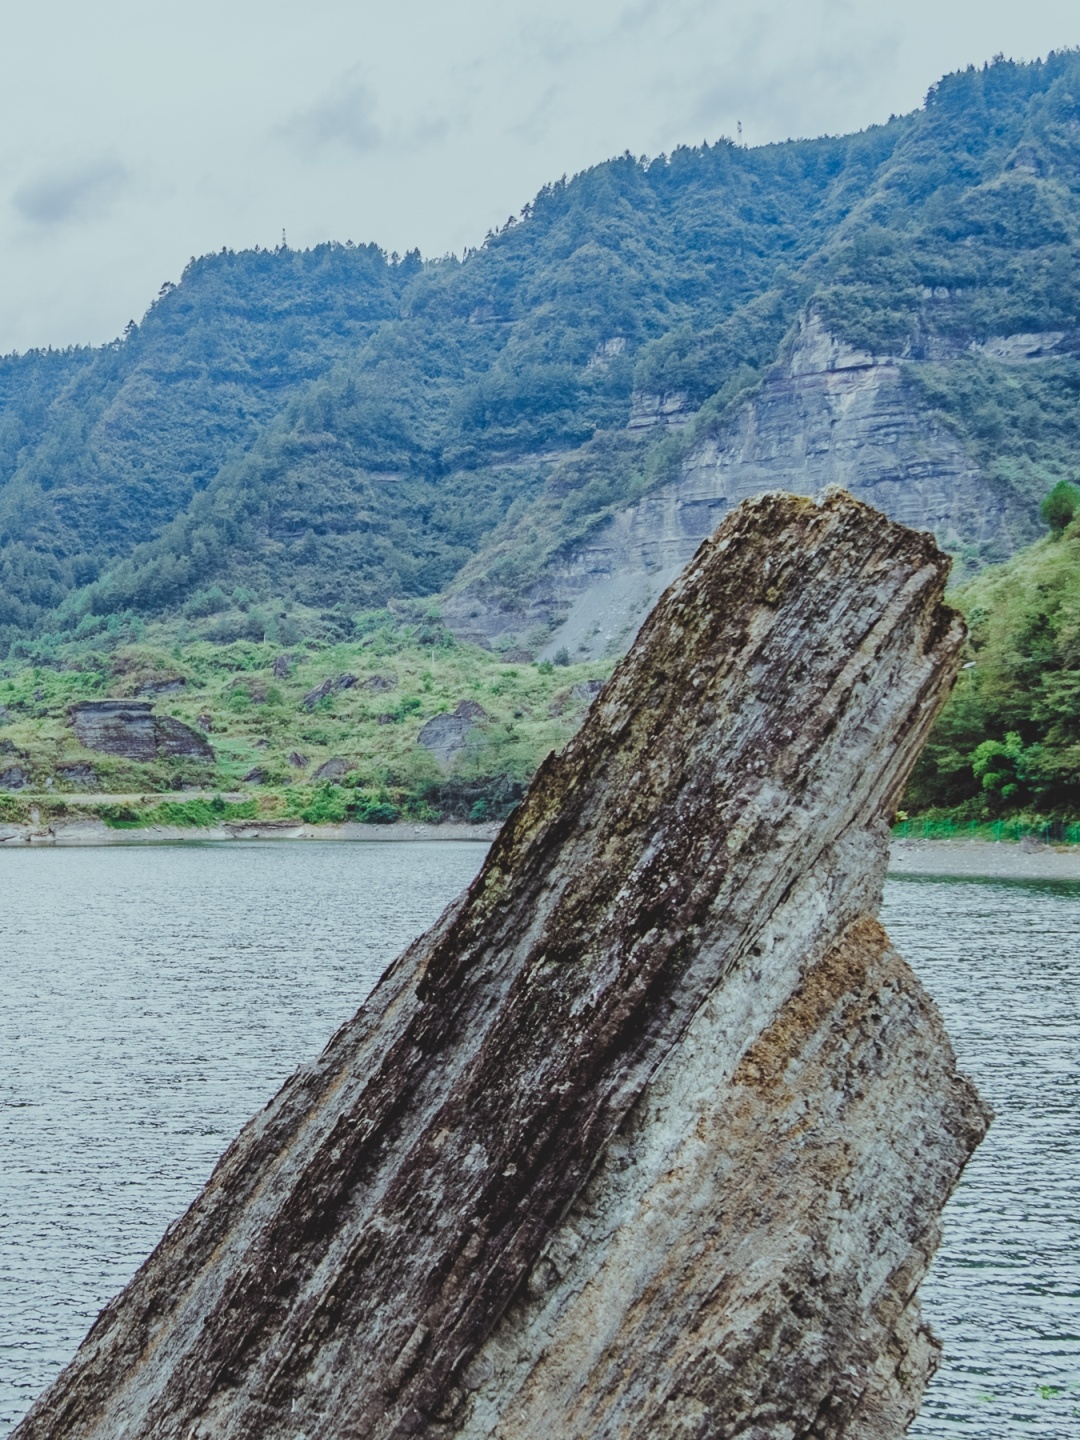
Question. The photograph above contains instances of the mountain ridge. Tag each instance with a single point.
(338, 429)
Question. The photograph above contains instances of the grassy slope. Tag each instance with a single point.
(1007, 746)
(258, 719)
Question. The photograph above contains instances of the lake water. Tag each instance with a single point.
(153, 998)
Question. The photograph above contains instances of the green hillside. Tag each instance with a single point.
(274, 719)
(337, 428)
(1008, 741)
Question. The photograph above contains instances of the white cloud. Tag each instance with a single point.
(424, 124)
(346, 116)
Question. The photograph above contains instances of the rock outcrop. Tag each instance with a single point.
(826, 414)
(161, 685)
(329, 686)
(336, 768)
(381, 682)
(447, 736)
(78, 774)
(131, 729)
(651, 1133)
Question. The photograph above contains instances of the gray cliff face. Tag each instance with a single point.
(651, 1133)
(827, 415)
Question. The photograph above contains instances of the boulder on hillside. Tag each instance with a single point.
(333, 769)
(282, 665)
(387, 681)
(447, 735)
(79, 774)
(587, 690)
(257, 776)
(129, 728)
(327, 687)
(161, 685)
(296, 760)
(14, 777)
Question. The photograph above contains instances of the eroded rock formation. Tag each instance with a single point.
(131, 729)
(650, 1135)
(826, 414)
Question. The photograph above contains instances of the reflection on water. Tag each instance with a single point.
(154, 998)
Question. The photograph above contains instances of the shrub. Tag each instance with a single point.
(375, 812)
(206, 602)
(328, 805)
(1059, 507)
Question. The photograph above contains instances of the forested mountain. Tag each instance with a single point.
(337, 428)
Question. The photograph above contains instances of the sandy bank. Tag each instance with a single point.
(985, 859)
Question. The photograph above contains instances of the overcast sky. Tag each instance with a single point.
(136, 133)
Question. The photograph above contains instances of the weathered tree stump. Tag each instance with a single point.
(650, 1135)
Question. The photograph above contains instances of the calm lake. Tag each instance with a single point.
(153, 998)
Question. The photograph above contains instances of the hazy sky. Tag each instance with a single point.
(136, 133)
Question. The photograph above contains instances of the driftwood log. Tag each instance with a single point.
(650, 1135)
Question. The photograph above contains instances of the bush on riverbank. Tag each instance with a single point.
(938, 826)
(183, 814)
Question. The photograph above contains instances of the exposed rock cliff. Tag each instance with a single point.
(826, 414)
(650, 1135)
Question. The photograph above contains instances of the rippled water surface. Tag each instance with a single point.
(153, 998)
(1003, 962)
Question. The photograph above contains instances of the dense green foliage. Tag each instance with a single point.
(1008, 741)
(1060, 505)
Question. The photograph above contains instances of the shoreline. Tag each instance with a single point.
(974, 859)
(76, 833)
(985, 859)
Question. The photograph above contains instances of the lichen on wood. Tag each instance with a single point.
(650, 1134)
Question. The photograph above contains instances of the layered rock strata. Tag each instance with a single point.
(651, 1133)
(131, 729)
(826, 414)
